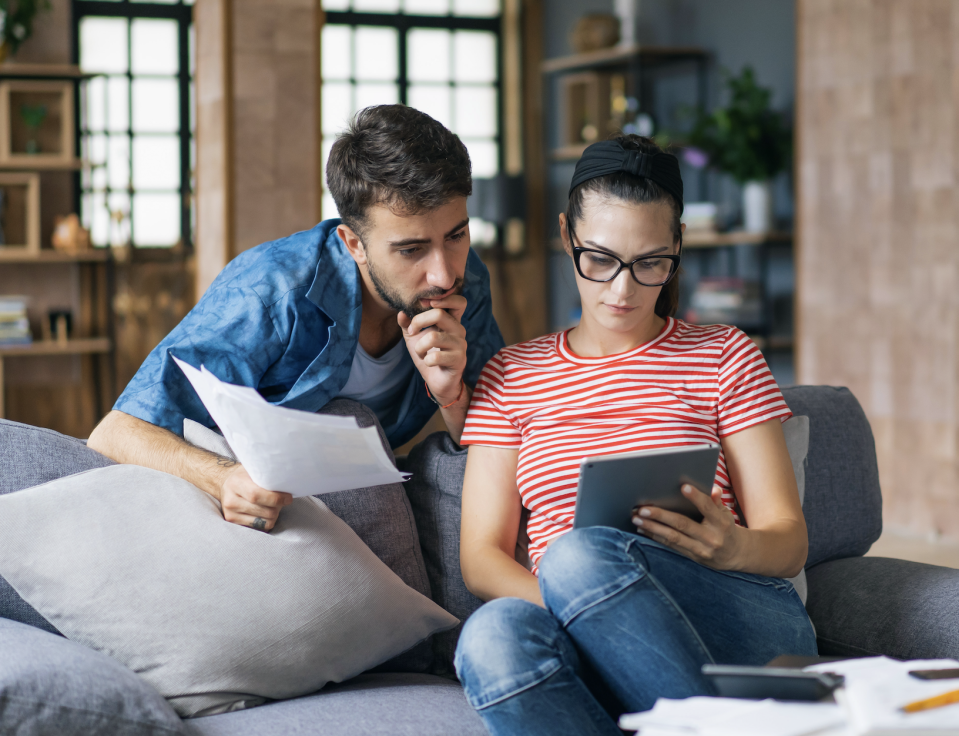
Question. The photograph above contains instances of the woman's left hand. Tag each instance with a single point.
(715, 542)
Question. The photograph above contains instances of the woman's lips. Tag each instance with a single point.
(619, 310)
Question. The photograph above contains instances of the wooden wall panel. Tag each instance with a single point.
(878, 256)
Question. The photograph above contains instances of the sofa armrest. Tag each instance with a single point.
(876, 605)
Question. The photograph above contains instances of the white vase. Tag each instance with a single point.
(758, 206)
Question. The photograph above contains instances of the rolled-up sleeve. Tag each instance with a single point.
(230, 331)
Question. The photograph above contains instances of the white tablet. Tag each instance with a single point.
(611, 486)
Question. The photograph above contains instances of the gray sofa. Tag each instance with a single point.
(860, 606)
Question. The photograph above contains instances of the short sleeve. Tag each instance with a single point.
(487, 421)
(748, 394)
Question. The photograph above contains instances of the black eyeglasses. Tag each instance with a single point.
(601, 266)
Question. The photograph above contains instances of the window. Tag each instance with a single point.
(136, 121)
(439, 56)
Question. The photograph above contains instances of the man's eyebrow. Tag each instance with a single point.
(421, 241)
(603, 248)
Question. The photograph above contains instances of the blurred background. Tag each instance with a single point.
(145, 144)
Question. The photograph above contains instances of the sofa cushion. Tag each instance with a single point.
(49, 685)
(875, 605)
(216, 616)
(368, 705)
(436, 491)
(843, 503)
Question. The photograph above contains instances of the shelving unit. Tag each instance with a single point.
(90, 272)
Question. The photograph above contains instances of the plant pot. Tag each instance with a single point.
(758, 206)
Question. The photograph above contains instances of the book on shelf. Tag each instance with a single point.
(14, 326)
(723, 300)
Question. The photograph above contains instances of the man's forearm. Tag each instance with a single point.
(455, 416)
(132, 441)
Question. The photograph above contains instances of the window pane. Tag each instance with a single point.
(161, 2)
(336, 4)
(329, 207)
(376, 54)
(376, 6)
(434, 100)
(484, 155)
(376, 94)
(95, 148)
(476, 8)
(156, 162)
(154, 47)
(426, 7)
(156, 105)
(119, 218)
(118, 104)
(97, 218)
(336, 52)
(94, 104)
(475, 111)
(475, 56)
(337, 106)
(428, 55)
(103, 44)
(118, 162)
(482, 233)
(156, 219)
(98, 178)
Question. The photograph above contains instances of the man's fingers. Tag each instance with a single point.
(239, 505)
(259, 523)
(441, 340)
(438, 318)
(442, 359)
(403, 319)
(261, 497)
(454, 304)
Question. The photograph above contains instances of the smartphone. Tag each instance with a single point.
(759, 683)
(952, 674)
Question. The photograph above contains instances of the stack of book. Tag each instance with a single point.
(729, 301)
(14, 327)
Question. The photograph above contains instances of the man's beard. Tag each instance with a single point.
(412, 307)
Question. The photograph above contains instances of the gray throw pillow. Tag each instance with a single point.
(381, 516)
(140, 565)
(49, 685)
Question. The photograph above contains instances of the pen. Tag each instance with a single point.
(936, 702)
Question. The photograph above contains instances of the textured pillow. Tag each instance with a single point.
(796, 431)
(140, 565)
(381, 516)
(49, 685)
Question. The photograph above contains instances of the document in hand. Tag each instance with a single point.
(293, 451)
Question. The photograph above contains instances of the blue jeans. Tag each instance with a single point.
(627, 621)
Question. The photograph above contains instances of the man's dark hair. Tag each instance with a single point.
(397, 156)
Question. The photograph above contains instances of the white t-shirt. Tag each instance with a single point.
(380, 382)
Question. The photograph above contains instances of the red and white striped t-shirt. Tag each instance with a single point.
(689, 386)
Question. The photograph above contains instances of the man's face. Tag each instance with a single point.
(413, 259)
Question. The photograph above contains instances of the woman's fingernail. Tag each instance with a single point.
(645, 512)
(687, 489)
(637, 521)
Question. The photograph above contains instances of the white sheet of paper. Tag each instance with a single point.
(289, 450)
(876, 688)
(705, 716)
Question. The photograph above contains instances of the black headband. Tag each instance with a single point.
(609, 157)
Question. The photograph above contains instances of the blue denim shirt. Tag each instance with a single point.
(284, 318)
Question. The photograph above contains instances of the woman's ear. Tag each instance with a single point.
(564, 234)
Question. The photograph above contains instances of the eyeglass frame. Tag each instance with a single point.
(578, 250)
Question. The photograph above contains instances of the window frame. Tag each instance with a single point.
(182, 13)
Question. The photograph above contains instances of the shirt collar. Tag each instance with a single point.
(336, 285)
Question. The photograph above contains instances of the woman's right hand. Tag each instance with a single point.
(243, 501)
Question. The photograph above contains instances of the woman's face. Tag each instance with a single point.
(627, 231)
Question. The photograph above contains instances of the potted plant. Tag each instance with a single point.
(16, 23)
(747, 140)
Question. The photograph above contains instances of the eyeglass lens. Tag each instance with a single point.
(648, 271)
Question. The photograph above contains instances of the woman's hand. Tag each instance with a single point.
(715, 542)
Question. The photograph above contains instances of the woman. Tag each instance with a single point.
(608, 621)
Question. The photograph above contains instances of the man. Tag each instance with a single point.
(389, 307)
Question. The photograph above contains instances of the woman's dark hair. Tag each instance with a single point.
(397, 156)
(635, 190)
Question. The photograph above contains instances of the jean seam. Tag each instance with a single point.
(679, 612)
(617, 586)
(556, 667)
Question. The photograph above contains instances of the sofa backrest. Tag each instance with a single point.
(843, 504)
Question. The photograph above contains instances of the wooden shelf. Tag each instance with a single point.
(568, 153)
(709, 239)
(43, 165)
(80, 346)
(47, 71)
(620, 55)
(774, 342)
(99, 255)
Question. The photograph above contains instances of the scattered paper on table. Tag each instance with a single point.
(289, 450)
(705, 716)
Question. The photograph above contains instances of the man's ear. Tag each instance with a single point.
(353, 244)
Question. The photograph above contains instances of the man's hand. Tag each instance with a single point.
(713, 542)
(437, 343)
(243, 501)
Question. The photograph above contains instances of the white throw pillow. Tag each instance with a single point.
(140, 565)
